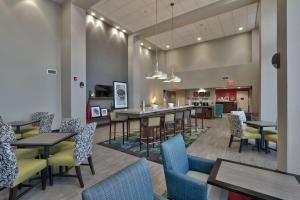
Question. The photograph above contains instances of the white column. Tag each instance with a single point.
(268, 46)
(288, 86)
(74, 61)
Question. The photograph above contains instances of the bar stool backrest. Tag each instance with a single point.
(153, 121)
(187, 114)
(179, 115)
(170, 117)
(112, 115)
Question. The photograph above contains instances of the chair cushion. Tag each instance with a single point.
(250, 129)
(30, 129)
(63, 158)
(18, 136)
(271, 137)
(26, 153)
(30, 133)
(28, 168)
(250, 135)
(62, 146)
(213, 193)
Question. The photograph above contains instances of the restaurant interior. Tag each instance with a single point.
(149, 99)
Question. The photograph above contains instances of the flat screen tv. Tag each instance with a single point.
(104, 91)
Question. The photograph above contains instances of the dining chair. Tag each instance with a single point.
(131, 183)
(14, 171)
(114, 119)
(243, 118)
(34, 129)
(7, 135)
(45, 125)
(74, 157)
(186, 175)
(237, 131)
(149, 134)
(270, 136)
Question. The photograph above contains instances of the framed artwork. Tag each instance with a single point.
(95, 110)
(104, 112)
(120, 95)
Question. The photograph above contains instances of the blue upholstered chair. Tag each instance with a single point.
(131, 183)
(187, 175)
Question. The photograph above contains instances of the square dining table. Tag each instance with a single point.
(45, 140)
(19, 124)
(253, 181)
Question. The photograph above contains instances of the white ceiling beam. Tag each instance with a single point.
(85, 4)
(196, 15)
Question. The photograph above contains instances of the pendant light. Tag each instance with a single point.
(157, 74)
(172, 78)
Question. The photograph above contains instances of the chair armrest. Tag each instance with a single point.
(156, 197)
(181, 186)
(200, 164)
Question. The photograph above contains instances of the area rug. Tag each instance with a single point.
(132, 146)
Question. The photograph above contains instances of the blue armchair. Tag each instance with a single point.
(187, 175)
(131, 183)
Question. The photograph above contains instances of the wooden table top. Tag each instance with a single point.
(261, 123)
(43, 139)
(255, 181)
(22, 123)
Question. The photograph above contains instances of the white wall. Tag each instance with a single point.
(268, 46)
(30, 43)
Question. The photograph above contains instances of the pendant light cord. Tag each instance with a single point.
(172, 34)
(155, 31)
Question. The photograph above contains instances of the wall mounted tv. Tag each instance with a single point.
(104, 91)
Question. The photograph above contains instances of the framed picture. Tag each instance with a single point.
(120, 95)
(104, 112)
(95, 110)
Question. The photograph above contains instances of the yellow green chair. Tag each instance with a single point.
(14, 171)
(237, 131)
(8, 135)
(35, 129)
(270, 136)
(74, 157)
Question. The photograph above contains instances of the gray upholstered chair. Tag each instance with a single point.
(7, 135)
(14, 171)
(34, 130)
(131, 183)
(74, 157)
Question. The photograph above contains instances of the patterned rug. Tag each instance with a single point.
(132, 146)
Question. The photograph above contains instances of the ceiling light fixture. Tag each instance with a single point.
(93, 14)
(124, 31)
(157, 74)
(117, 27)
(142, 44)
(149, 48)
(241, 28)
(101, 18)
(168, 46)
(199, 38)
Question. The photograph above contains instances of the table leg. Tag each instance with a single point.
(46, 156)
(140, 134)
(18, 129)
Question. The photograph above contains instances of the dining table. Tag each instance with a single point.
(253, 181)
(260, 125)
(19, 124)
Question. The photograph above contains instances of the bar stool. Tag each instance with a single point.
(179, 121)
(149, 132)
(187, 123)
(196, 114)
(169, 121)
(114, 120)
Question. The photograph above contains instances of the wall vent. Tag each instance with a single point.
(225, 78)
(51, 71)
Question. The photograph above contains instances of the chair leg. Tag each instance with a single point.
(231, 140)
(90, 160)
(44, 178)
(50, 173)
(266, 146)
(257, 141)
(127, 129)
(115, 130)
(147, 145)
(13, 193)
(123, 132)
(78, 173)
(241, 145)
(109, 132)
(61, 170)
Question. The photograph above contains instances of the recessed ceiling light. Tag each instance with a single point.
(198, 38)
(124, 30)
(241, 28)
(167, 46)
(142, 44)
(93, 14)
(117, 27)
(101, 18)
(149, 48)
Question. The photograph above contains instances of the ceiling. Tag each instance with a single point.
(138, 15)
(135, 15)
(219, 26)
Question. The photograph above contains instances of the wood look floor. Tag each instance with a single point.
(211, 145)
